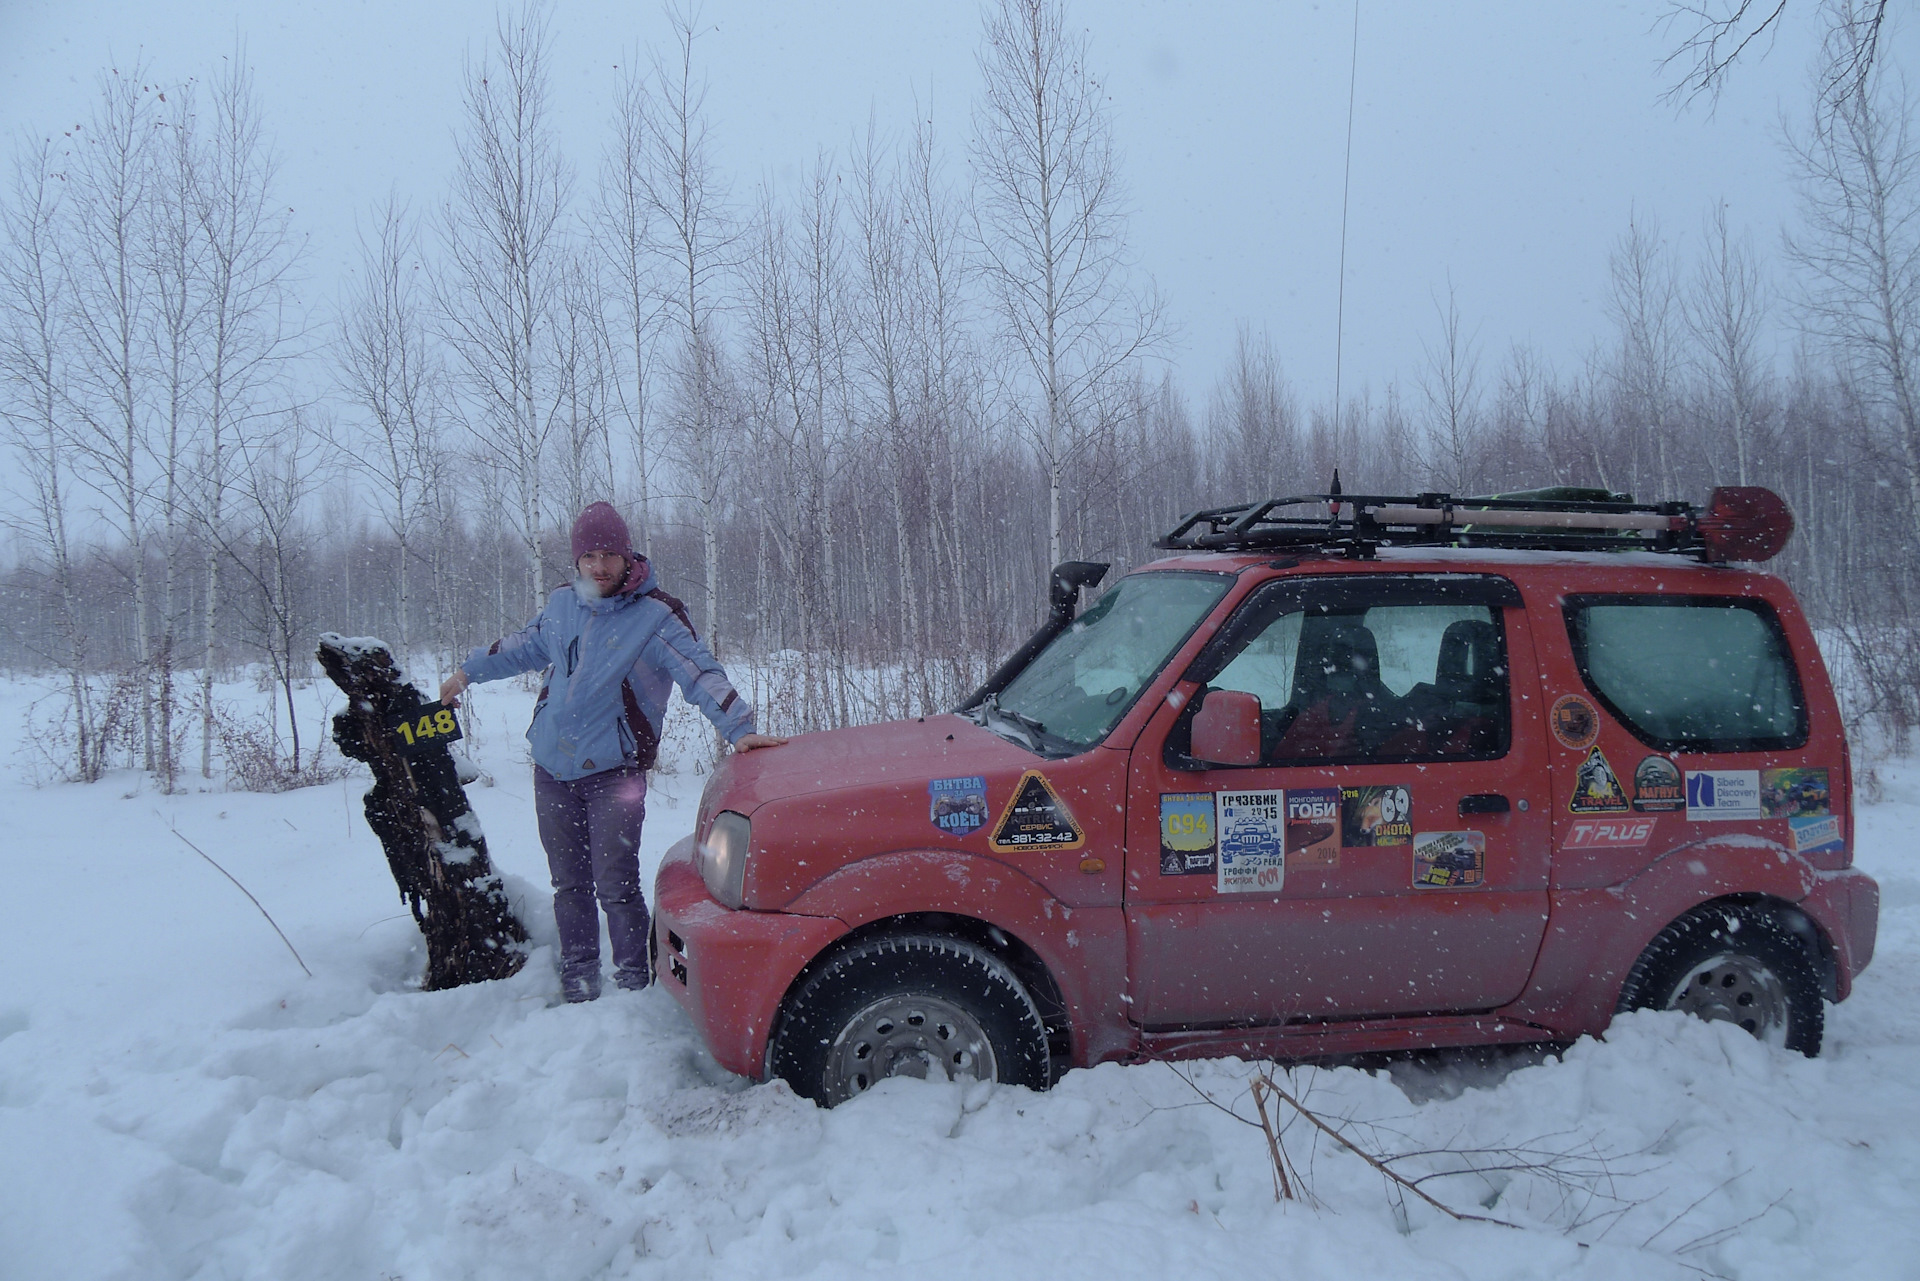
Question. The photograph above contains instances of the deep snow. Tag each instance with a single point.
(178, 1100)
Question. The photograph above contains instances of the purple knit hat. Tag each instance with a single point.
(600, 529)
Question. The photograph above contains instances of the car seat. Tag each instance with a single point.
(1458, 712)
(1338, 698)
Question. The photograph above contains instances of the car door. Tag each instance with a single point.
(1388, 854)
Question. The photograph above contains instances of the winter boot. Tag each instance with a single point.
(576, 988)
(630, 979)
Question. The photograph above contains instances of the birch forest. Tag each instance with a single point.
(852, 418)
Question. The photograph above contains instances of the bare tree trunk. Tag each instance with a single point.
(503, 240)
(1051, 228)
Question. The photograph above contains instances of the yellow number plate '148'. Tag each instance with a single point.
(428, 725)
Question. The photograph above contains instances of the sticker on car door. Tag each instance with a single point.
(1253, 852)
(1189, 836)
(1313, 827)
(1372, 816)
(1449, 860)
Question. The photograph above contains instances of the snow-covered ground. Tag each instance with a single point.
(177, 1099)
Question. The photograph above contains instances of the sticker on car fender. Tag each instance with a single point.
(1449, 860)
(1036, 819)
(1574, 722)
(1371, 816)
(1253, 851)
(1719, 795)
(1793, 793)
(1656, 786)
(1609, 833)
(1596, 788)
(1817, 835)
(958, 806)
(1189, 835)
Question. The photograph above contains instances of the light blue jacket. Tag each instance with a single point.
(612, 663)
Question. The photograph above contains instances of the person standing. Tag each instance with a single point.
(613, 645)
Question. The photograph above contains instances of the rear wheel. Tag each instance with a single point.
(917, 1005)
(1735, 963)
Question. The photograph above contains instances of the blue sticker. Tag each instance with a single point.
(958, 806)
(1817, 835)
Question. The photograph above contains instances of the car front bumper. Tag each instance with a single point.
(729, 968)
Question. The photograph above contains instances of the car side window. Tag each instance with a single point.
(1696, 673)
(1351, 681)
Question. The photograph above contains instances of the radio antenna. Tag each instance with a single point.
(1346, 188)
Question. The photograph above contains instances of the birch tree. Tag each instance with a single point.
(1859, 250)
(503, 252)
(33, 373)
(390, 375)
(625, 208)
(110, 196)
(1451, 387)
(1050, 221)
(692, 236)
(1643, 302)
(249, 257)
(176, 265)
(1726, 311)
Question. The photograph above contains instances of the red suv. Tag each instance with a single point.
(1340, 774)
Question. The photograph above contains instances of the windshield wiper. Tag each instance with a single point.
(1008, 723)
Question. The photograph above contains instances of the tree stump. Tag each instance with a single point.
(429, 831)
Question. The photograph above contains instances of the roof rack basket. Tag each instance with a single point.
(1745, 523)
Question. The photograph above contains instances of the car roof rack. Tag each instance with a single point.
(1738, 523)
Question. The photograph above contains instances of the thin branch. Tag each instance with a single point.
(1386, 1171)
(250, 898)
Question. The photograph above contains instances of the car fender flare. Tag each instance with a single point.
(1083, 948)
(1595, 935)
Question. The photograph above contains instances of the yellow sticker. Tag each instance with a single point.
(1036, 819)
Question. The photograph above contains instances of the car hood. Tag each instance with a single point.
(897, 752)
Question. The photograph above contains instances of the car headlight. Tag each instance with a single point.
(723, 857)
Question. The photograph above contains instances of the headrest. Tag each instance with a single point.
(1469, 653)
(1346, 652)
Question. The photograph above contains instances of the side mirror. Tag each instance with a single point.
(1226, 729)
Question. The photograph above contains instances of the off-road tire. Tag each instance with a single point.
(1750, 969)
(827, 1037)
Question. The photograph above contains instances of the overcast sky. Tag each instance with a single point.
(1502, 146)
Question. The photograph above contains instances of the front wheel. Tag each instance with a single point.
(1735, 963)
(918, 1005)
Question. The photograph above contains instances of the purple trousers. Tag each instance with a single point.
(591, 830)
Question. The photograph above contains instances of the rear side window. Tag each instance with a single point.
(1693, 673)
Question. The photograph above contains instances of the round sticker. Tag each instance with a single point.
(1574, 722)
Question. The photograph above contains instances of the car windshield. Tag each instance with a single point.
(1080, 685)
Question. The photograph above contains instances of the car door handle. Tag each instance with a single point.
(1483, 803)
